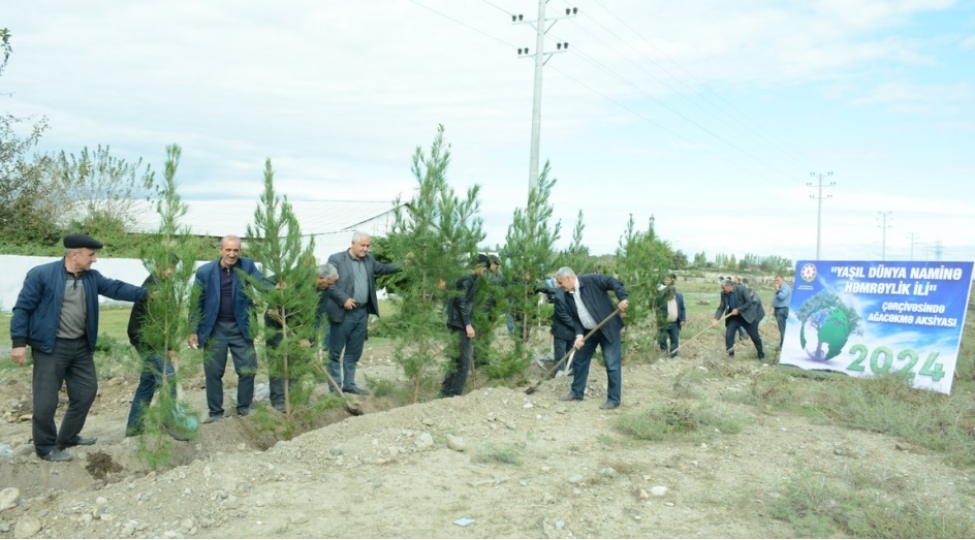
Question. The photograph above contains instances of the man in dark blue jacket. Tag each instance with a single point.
(588, 304)
(59, 320)
(563, 329)
(740, 310)
(222, 322)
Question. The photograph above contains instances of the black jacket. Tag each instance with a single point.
(342, 289)
(593, 290)
(743, 301)
(138, 313)
(562, 325)
(461, 306)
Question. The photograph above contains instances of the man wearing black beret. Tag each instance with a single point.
(59, 320)
(460, 308)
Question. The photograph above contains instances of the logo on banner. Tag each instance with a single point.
(808, 273)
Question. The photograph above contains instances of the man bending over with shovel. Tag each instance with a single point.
(588, 303)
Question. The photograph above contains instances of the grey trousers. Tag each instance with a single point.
(70, 363)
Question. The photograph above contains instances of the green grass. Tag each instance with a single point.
(677, 420)
(508, 455)
(820, 507)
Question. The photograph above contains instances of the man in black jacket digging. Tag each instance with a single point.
(459, 311)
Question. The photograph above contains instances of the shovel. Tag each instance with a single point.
(531, 389)
(697, 335)
(568, 366)
(350, 407)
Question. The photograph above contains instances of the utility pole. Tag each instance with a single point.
(819, 219)
(541, 58)
(913, 237)
(938, 250)
(884, 226)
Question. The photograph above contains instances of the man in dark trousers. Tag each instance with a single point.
(59, 320)
(588, 304)
(563, 329)
(742, 312)
(153, 362)
(222, 322)
(671, 315)
(353, 299)
(460, 308)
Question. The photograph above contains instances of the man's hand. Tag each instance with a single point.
(579, 343)
(19, 355)
(682, 323)
(470, 332)
(193, 341)
(349, 304)
(714, 323)
(305, 343)
(733, 312)
(623, 305)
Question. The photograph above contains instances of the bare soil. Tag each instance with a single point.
(532, 466)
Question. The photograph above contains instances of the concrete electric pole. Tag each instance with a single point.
(819, 219)
(883, 225)
(541, 58)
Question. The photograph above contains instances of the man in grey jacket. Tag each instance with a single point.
(741, 311)
(352, 299)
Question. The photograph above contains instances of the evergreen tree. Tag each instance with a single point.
(165, 325)
(577, 255)
(530, 249)
(438, 232)
(642, 261)
(275, 240)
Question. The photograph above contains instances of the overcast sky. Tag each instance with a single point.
(709, 115)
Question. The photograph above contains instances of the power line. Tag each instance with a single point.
(449, 18)
(662, 53)
(884, 226)
(496, 6)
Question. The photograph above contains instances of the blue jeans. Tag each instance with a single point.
(781, 315)
(150, 381)
(614, 373)
(70, 363)
(227, 335)
(672, 331)
(350, 335)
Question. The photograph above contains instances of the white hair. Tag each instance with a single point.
(564, 272)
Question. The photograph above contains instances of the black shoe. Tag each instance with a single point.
(280, 408)
(132, 432)
(80, 441)
(57, 455)
(244, 412)
(211, 419)
(609, 405)
(356, 390)
(569, 397)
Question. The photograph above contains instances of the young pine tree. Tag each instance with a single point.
(165, 325)
(290, 304)
(440, 231)
(577, 255)
(642, 261)
(529, 246)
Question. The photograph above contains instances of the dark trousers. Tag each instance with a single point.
(70, 363)
(614, 373)
(781, 315)
(559, 349)
(150, 381)
(227, 336)
(456, 378)
(671, 331)
(735, 323)
(350, 335)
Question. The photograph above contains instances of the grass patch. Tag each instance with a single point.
(677, 419)
(818, 507)
(888, 404)
(508, 455)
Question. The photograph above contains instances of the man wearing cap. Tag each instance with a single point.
(223, 323)
(59, 320)
(460, 308)
(353, 299)
(671, 315)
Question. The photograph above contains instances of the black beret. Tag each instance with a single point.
(77, 241)
(494, 259)
(481, 260)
